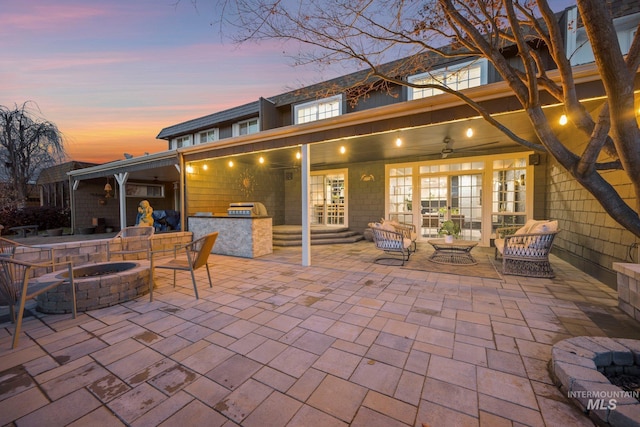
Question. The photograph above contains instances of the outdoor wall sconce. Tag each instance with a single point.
(107, 190)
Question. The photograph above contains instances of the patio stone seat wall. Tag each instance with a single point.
(93, 251)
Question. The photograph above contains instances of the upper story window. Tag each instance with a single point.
(456, 77)
(182, 141)
(578, 47)
(318, 110)
(208, 136)
(134, 189)
(246, 127)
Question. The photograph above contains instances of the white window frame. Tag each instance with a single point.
(142, 190)
(442, 74)
(318, 109)
(208, 135)
(238, 125)
(463, 164)
(181, 141)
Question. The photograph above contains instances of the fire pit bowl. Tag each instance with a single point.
(97, 286)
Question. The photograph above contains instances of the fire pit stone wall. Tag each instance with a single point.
(579, 367)
(93, 292)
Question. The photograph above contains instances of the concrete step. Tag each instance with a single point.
(320, 236)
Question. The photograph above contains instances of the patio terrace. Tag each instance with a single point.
(342, 342)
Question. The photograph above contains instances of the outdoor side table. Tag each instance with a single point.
(458, 252)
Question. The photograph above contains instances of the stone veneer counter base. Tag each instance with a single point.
(628, 288)
(247, 237)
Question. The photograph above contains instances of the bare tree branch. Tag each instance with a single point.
(27, 145)
(521, 40)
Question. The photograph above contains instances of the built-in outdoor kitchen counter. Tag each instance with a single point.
(241, 233)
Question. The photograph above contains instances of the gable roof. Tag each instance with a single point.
(206, 122)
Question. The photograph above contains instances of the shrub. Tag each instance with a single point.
(46, 217)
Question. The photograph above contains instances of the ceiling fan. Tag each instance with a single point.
(448, 147)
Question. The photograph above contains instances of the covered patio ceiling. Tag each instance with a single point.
(430, 142)
(427, 142)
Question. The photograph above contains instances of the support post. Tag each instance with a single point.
(121, 179)
(305, 172)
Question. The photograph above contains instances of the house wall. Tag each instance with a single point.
(365, 195)
(212, 190)
(379, 98)
(540, 189)
(590, 239)
(285, 116)
(292, 197)
(225, 131)
(87, 205)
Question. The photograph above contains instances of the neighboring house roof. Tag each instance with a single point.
(58, 173)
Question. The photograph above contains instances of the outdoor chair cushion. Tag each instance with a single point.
(406, 242)
(391, 242)
(526, 252)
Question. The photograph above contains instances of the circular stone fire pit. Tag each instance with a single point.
(97, 286)
(579, 366)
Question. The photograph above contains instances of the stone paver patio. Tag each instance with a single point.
(343, 342)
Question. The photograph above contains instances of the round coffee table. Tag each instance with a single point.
(458, 252)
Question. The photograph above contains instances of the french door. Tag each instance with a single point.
(328, 197)
(457, 197)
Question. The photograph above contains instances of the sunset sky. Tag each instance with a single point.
(112, 73)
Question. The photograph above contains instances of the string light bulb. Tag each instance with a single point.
(343, 150)
(469, 133)
(261, 160)
(563, 120)
(398, 142)
(230, 163)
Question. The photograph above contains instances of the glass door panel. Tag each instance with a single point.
(466, 205)
(400, 195)
(509, 193)
(434, 199)
(455, 197)
(327, 200)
